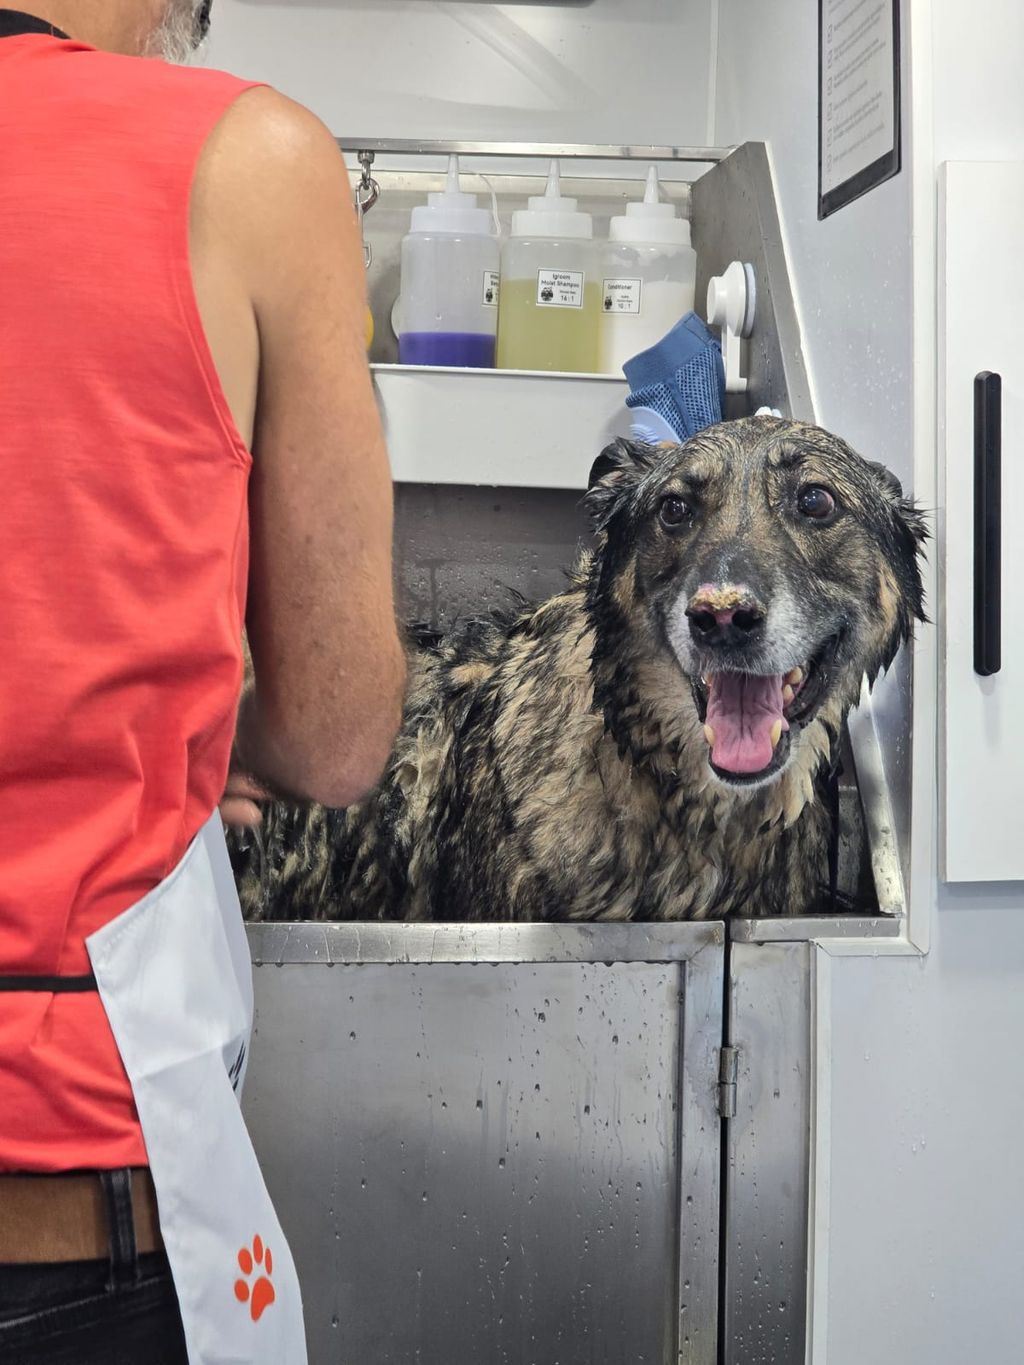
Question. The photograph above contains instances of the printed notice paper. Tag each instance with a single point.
(859, 113)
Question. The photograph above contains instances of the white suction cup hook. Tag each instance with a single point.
(731, 301)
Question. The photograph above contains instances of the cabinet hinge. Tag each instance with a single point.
(728, 1066)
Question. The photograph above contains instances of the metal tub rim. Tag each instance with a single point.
(279, 943)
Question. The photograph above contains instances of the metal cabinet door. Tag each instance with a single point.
(494, 1144)
(765, 1200)
(981, 290)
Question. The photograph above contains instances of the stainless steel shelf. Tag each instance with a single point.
(568, 150)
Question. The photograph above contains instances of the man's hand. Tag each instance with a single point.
(238, 806)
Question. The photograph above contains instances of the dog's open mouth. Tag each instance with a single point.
(749, 717)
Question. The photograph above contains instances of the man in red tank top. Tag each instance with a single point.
(188, 443)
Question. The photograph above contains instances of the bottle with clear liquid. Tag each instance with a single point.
(550, 310)
(448, 308)
(648, 274)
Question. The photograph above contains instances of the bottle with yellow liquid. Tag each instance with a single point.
(549, 308)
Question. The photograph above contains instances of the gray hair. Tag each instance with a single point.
(176, 37)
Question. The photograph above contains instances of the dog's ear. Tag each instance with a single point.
(616, 461)
(911, 519)
(617, 470)
(915, 523)
(886, 480)
(911, 533)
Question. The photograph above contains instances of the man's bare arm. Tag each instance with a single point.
(328, 665)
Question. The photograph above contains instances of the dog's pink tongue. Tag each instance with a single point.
(742, 711)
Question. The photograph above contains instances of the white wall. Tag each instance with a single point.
(569, 72)
(927, 1189)
(926, 1245)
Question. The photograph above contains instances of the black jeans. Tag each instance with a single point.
(123, 1311)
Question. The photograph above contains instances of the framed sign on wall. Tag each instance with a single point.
(858, 98)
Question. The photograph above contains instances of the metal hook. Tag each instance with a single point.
(366, 195)
(367, 248)
(368, 190)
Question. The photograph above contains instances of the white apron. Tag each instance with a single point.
(176, 982)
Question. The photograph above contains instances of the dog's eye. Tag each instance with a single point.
(817, 503)
(674, 510)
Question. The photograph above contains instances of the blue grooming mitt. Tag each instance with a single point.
(682, 378)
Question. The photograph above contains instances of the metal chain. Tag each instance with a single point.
(368, 190)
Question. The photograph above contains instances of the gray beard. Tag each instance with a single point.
(175, 38)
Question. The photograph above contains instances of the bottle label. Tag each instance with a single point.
(489, 294)
(623, 296)
(560, 288)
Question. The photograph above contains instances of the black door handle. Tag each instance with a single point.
(988, 403)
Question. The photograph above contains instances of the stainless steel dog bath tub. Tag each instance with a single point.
(494, 1144)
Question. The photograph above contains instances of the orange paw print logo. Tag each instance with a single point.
(258, 1261)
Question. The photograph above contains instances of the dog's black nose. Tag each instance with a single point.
(723, 617)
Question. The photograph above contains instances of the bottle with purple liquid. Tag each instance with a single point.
(448, 310)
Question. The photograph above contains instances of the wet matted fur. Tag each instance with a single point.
(553, 764)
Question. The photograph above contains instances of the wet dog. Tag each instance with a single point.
(653, 742)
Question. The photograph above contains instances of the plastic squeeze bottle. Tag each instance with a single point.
(448, 309)
(550, 309)
(648, 270)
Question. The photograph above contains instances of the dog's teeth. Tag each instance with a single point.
(787, 694)
(795, 675)
(709, 735)
(776, 733)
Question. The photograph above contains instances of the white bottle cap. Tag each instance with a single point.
(649, 222)
(551, 215)
(449, 210)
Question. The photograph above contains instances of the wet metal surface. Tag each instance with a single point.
(316, 942)
(734, 217)
(808, 928)
(496, 1162)
(767, 1156)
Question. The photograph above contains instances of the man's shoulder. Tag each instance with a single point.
(274, 144)
(146, 78)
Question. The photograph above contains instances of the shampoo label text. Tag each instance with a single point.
(560, 288)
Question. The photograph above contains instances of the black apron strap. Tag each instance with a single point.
(53, 985)
(13, 23)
